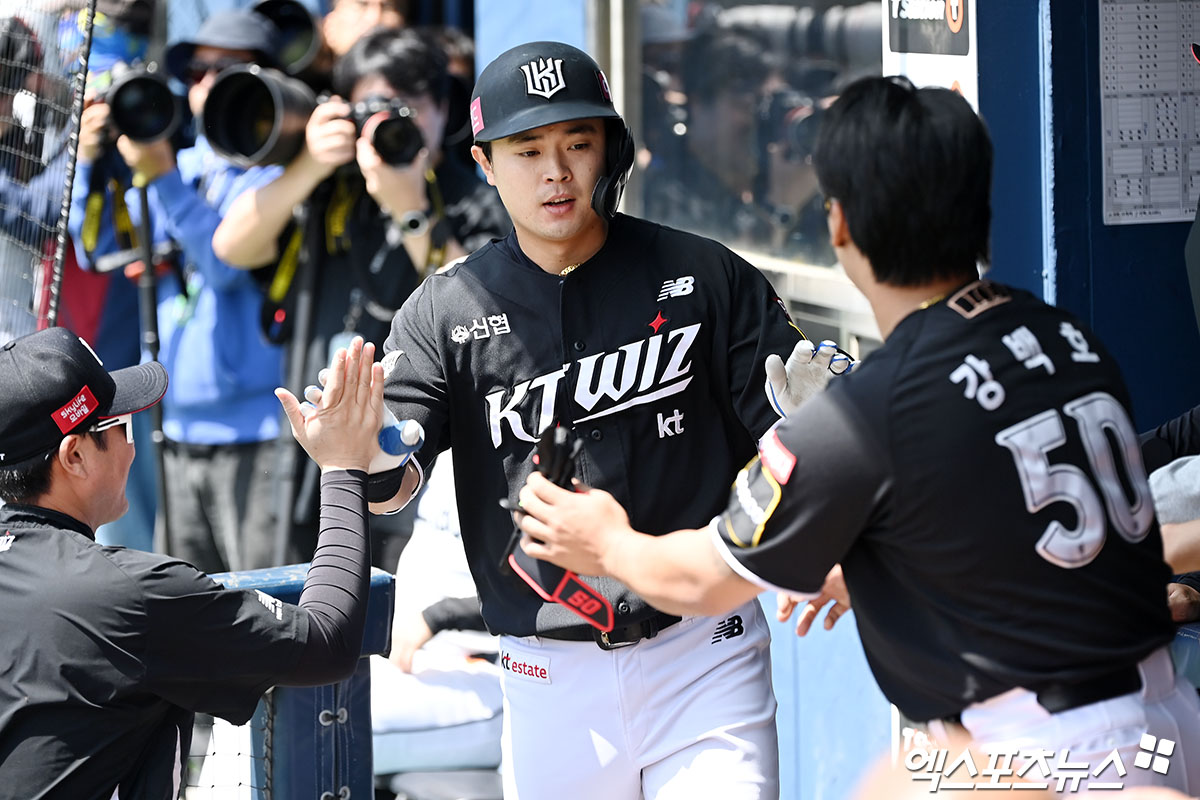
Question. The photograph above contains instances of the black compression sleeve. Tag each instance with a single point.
(454, 614)
(335, 591)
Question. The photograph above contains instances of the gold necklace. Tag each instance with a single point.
(568, 269)
(937, 298)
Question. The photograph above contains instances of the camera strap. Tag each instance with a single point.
(437, 239)
(337, 240)
(126, 234)
(285, 271)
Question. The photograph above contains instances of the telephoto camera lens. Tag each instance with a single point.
(255, 115)
(142, 105)
(391, 128)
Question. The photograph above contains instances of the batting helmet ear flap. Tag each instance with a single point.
(619, 160)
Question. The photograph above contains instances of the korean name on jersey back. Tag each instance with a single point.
(637, 373)
(1104, 486)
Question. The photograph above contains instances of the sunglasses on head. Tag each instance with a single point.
(112, 422)
(197, 68)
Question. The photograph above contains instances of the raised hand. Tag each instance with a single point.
(340, 430)
(808, 369)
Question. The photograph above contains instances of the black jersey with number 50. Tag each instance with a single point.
(980, 481)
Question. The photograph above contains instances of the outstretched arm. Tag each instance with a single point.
(248, 235)
(340, 434)
(587, 531)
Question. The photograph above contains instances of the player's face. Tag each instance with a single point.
(545, 178)
(116, 460)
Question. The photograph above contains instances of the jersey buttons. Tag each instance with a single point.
(596, 434)
(579, 345)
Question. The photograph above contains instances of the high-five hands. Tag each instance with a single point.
(340, 430)
(808, 369)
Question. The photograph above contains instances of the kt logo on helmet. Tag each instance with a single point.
(544, 78)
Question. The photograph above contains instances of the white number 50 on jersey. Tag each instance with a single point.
(1044, 483)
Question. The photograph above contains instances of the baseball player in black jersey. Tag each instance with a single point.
(649, 343)
(991, 511)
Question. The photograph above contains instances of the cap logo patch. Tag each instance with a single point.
(476, 116)
(544, 78)
(82, 404)
(604, 85)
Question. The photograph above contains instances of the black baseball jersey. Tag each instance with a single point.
(652, 350)
(980, 481)
(107, 652)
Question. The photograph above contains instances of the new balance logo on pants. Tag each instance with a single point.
(728, 628)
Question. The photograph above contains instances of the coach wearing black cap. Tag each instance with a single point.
(108, 652)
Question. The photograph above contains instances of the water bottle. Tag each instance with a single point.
(397, 442)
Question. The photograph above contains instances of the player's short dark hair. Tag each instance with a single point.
(912, 170)
(29, 481)
(409, 61)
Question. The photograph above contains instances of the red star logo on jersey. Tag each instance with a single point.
(658, 322)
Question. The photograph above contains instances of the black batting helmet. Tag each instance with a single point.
(542, 83)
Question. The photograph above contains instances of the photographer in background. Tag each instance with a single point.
(220, 417)
(386, 225)
(30, 192)
(707, 185)
(120, 36)
(742, 169)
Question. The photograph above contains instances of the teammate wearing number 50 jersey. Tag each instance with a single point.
(977, 477)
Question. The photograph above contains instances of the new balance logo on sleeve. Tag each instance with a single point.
(728, 629)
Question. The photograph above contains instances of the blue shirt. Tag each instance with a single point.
(223, 371)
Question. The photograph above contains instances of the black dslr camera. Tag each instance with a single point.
(390, 126)
(789, 119)
(142, 105)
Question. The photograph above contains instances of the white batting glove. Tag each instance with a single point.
(808, 369)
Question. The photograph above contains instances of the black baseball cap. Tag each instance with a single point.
(52, 384)
(536, 84)
(233, 29)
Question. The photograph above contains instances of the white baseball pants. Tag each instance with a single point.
(1166, 708)
(687, 714)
